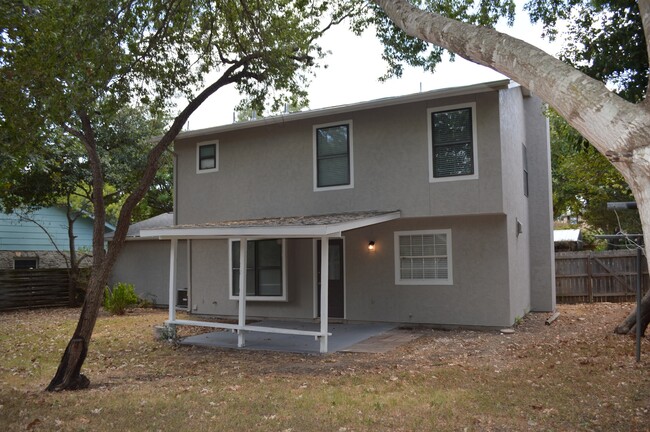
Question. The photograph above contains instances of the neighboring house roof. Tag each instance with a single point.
(293, 226)
(377, 103)
(570, 235)
(162, 220)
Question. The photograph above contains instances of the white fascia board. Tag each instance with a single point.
(300, 231)
(359, 106)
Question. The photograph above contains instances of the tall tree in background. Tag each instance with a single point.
(58, 174)
(69, 67)
(584, 182)
(605, 40)
(618, 128)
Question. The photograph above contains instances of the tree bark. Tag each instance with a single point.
(68, 375)
(619, 129)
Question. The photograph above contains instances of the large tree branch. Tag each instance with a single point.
(99, 224)
(233, 74)
(604, 118)
(644, 11)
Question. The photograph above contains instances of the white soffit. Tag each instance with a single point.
(330, 225)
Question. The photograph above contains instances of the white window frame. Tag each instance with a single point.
(450, 270)
(431, 111)
(198, 157)
(315, 155)
(282, 298)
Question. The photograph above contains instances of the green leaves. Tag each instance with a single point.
(604, 39)
(401, 49)
(584, 181)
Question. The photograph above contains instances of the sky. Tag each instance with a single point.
(354, 66)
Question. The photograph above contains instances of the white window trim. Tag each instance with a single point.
(450, 269)
(430, 111)
(315, 155)
(282, 298)
(198, 157)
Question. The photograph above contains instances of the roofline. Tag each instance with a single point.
(291, 231)
(358, 106)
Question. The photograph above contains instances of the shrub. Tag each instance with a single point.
(121, 296)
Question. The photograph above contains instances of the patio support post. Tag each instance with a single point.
(324, 288)
(172, 279)
(243, 248)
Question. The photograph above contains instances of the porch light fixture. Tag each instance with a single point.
(371, 246)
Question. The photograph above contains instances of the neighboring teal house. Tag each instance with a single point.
(23, 244)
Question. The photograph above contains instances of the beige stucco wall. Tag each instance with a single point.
(268, 171)
(145, 264)
(478, 296)
(513, 137)
(542, 258)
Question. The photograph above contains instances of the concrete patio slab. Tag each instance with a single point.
(343, 336)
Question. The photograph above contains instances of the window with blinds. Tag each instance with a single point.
(452, 142)
(264, 269)
(333, 156)
(423, 257)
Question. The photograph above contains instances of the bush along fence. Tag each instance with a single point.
(23, 289)
(588, 276)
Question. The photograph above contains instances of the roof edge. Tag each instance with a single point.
(357, 106)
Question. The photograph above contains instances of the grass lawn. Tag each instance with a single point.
(573, 375)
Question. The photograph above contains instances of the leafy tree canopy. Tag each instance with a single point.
(70, 68)
(584, 181)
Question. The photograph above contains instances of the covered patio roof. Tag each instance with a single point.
(327, 225)
(316, 226)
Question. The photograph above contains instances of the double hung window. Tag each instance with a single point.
(207, 157)
(453, 142)
(333, 156)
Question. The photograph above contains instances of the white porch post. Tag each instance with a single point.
(172, 279)
(243, 248)
(324, 288)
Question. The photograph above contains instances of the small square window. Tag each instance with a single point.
(25, 263)
(207, 157)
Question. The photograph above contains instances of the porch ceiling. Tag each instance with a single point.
(328, 225)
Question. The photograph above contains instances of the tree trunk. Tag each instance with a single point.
(618, 129)
(68, 375)
(629, 324)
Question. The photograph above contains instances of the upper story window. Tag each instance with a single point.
(207, 157)
(452, 143)
(423, 257)
(265, 270)
(333, 156)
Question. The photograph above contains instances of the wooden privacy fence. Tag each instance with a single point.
(587, 276)
(23, 289)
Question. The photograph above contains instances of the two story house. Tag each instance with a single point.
(429, 208)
